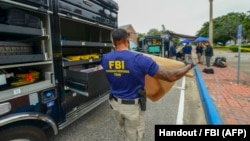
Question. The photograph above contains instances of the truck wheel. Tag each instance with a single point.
(23, 133)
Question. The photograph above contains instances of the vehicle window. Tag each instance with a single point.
(132, 44)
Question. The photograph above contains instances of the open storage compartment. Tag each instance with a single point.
(80, 31)
(25, 75)
(24, 35)
(18, 52)
(85, 33)
(83, 43)
(90, 82)
(82, 47)
(26, 62)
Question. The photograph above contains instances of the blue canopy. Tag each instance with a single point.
(201, 39)
(186, 41)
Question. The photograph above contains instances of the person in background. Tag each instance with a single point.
(172, 51)
(208, 53)
(166, 48)
(180, 56)
(126, 71)
(203, 57)
(187, 51)
(199, 51)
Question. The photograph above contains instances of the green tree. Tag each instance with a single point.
(153, 32)
(246, 27)
(204, 30)
(225, 27)
(176, 40)
(139, 35)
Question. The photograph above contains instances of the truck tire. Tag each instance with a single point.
(25, 133)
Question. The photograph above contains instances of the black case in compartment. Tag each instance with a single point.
(14, 52)
(93, 82)
(19, 17)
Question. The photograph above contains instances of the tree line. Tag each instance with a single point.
(224, 28)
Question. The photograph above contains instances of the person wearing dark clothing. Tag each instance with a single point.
(199, 51)
(172, 51)
(180, 55)
(208, 53)
(126, 71)
(166, 48)
(220, 62)
(187, 51)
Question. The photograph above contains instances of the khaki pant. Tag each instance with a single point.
(199, 57)
(203, 58)
(131, 120)
(188, 58)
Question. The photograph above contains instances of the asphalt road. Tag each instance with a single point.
(181, 105)
(100, 125)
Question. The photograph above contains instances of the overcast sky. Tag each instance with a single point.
(180, 16)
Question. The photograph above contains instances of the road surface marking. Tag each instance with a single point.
(180, 112)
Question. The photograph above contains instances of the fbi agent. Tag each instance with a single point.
(126, 71)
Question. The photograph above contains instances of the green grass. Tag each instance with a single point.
(234, 48)
(224, 48)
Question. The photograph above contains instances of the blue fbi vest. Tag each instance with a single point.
(126, 71)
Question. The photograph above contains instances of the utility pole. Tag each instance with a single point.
(163, 28)
(211, 21)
